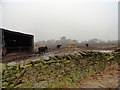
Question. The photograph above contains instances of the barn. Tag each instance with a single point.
(16, 42)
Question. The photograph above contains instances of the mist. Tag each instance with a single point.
(73, 19)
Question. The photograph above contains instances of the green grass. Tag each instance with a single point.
(58, 71)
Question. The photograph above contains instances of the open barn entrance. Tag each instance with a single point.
(15, 42)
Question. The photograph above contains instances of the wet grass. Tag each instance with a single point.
(58, 71)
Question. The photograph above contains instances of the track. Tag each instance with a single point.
(23, 56)
(18, 57)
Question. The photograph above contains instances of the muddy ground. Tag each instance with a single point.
(109, 78)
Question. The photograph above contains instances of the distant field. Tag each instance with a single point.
(83, 47)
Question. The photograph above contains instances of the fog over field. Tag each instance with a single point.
(75, 44)
(52, 19)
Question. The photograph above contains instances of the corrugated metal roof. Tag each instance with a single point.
(15, 32)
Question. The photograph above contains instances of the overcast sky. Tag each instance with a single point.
(52, 19)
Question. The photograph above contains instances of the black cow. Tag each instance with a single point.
(87, 45)
(58, 46)
(42, 50)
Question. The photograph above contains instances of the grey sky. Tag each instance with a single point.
(51, 19)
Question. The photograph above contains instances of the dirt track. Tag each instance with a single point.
(22, 56)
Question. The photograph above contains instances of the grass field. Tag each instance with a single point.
(60, 70)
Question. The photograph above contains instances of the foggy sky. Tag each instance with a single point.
(71, 18)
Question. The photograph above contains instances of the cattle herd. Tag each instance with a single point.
(42, 50)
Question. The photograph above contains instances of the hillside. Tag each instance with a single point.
(72, 70)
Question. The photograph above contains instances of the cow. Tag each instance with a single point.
(87, 45)
(58, 46)
(42, 50)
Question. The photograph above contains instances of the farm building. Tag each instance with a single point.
(16, 42)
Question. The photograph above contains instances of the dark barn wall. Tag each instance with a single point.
(17, 42)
